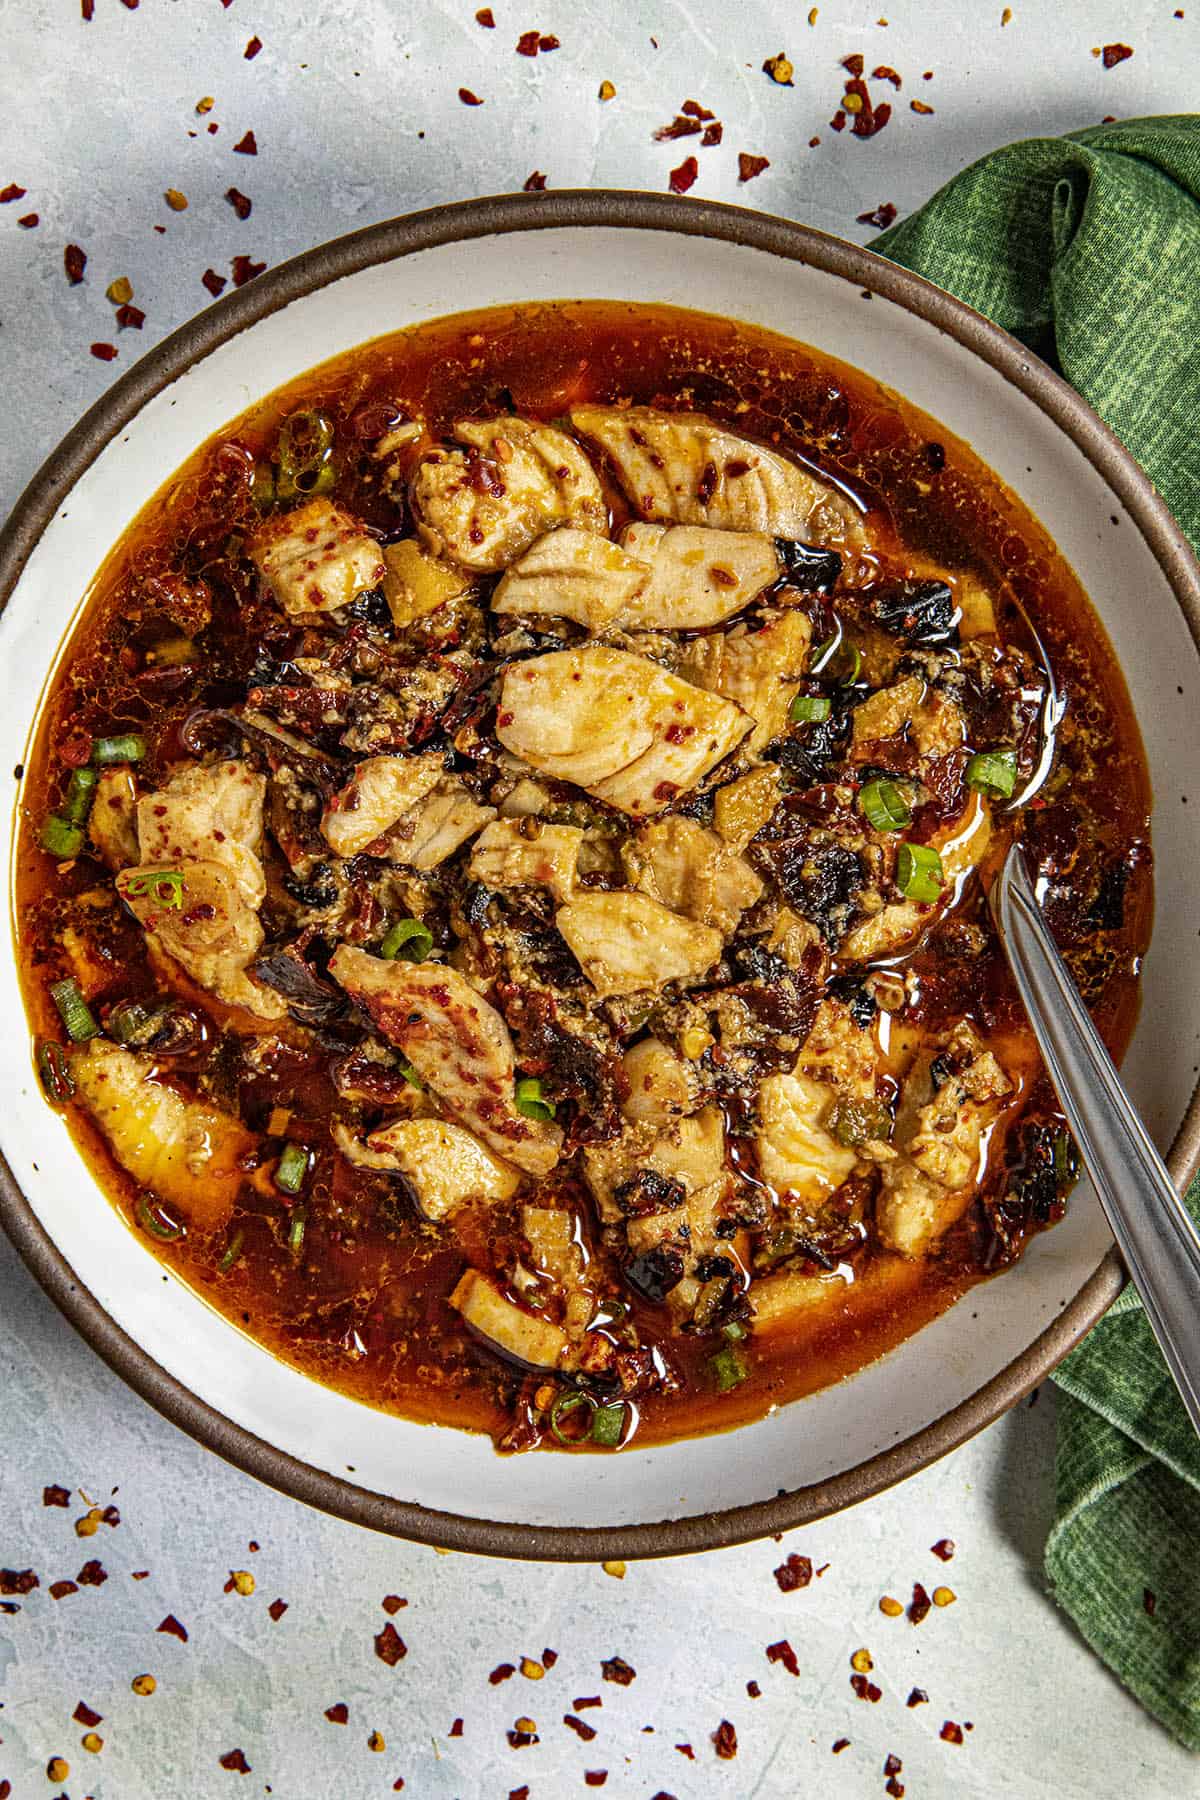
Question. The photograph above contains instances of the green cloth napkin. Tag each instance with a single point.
(1088, 249)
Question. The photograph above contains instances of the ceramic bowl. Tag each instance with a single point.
(818, 1454)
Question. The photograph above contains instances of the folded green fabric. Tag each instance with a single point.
(1088, 249)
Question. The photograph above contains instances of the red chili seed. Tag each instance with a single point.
(468, 98)
(247, 145)
(795, 1573)
(725, 1741)
(56, 1496)
(1112, 54)
(134, 318)
(215, 283)
(12, 192)
(252, 49)
(27, 221)
(239, 202)
(235, 1760)
(682, 178)
(750, 166)
(173, 1628)
(390, 1647)
(338, 1713)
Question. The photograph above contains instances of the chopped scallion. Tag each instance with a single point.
(73, 1010)
(919, 873)
(162, 885)
(735, 1330)
(152, 1219)
(127, 1022)
(993, 772)
(884, 806)
(854, 658)
(305, 450)
(61, 838)
(55, 1071)
(810, 709)
(80, 792)
(530, 1100)
(408, 939)
(232, 1254)
(291, 1168)
(608, 1425)
(129, 746)
(728, 1369)
(569, 1401)
(409, 1073)
(824, 651)
(296, 1231)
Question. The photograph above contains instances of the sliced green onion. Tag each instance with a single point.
(809, 709)
(232, 1253)
(728, 1369)
(262, 487)
(305, 449)
(55, 1071)
(296, 1231)
(855, 655)
(919, 873)
(80, 792)
(1066, 1164)
(73, 1010)
(166, 1230)
(568, 1402)
(162, 885)
(823, 652)
(408, 939)
(128, 747)
(608, 1424)
(61, 838)
(735, 1330)
(993, 772)
(530, 1101)
(291, 1168)
(855, 1122)
(409, 1073)
(885, 806)
(127, 1021)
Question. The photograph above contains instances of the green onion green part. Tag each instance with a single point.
(884, 806)
(608, 1425)
(291, 1168)
(993, 772)
(73, 1010)
(128, 747)
(735, 1330)
(305, 451)
(408, 939)
(296, 1231)
(569, 1401)
(80, 793)
(919, 872)
(728, 1369)
(164, 1229)
(232, 1254)
(127, 1021)
(162, 885)
(55, 1071)
(823, 652)
(530, 1101)
(809, 709)
(61, 838)
(409, 1073)
(855, 656)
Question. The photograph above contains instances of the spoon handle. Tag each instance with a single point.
(1156, 1238)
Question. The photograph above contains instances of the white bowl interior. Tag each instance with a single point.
(950, 1360)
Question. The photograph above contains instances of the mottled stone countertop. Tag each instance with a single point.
(355, 113)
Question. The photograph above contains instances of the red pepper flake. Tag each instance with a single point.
(60, 1589)
(853, 65)
(750, 166)
(581, 1702)
(725, 1741)
(18, 1581)
(535, 183)
(252, 49)
(140, 1575)
(338, 1713)
(944, 1548)
(520, 1739)
(390, 1647)
(83, 1714)
(245, 269)
(486, 17)
(468, 98)
(780, 69)
(549, 1658)
(1112, 54)
(173, 1628)
(527, 43)
(502, 1672)
(918, 1697)
(813, 142)
(754, 1691)
(235, 1760)
(6, 1786)
(595, 1777)
(12, 192)
(615, 1668)
(919, 1605)
(134, 318)
(521, 1793)
(866, 1689)
(8, 1607)
(392, 1604)
(93, 1573)
(678, 128)
(712, 135)
(456, 1729)
(247, 145)
(795, 1573)
(1149, 1602)
(951, 1733)
(277, 1609)
(883, 73)
(548, 42)
(867, 120)
(585, 1731)
(216, 284)
(240, 202)
(838, 121)
(88, 9)
(131, 5)
(686, 1750)
(782, 1652)
(28, 221)
(881, 218)
(840, 1744)
(682, 178)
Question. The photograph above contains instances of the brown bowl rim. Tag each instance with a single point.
(389, 240)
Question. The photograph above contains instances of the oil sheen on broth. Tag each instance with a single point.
(501, 871)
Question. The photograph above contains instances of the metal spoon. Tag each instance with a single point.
(1156, 1238)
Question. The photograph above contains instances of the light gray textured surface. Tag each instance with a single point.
(95, 127)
